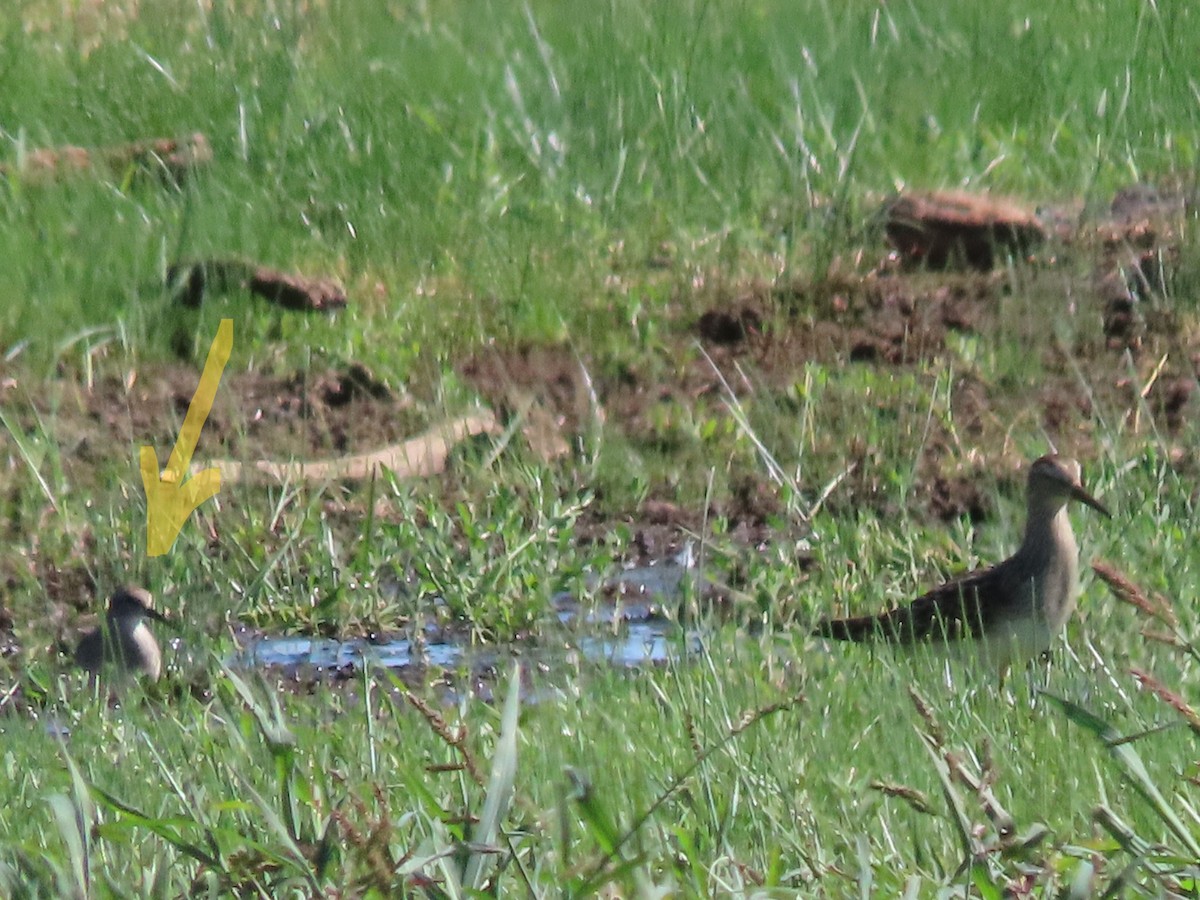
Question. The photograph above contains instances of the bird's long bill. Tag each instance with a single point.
(159, 617)
(1083, 496)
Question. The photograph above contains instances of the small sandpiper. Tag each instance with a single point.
(122, 641)
(1015, 608)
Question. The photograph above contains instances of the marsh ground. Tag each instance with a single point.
(648, 241)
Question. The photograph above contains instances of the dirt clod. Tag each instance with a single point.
(1169, 397)
(349, 384)
(729, 327)
(955, 229)
(951, 498)
(189, 282)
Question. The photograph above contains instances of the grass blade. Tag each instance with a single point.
(500, 785)
(1134, 768)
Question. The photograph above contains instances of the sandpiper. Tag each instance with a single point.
(1017, 607)
(122, 641)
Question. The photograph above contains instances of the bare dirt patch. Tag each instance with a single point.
(97, 429)
(893, 320)
(1127, 351)
(1130, 356)
(254, 415)
(551, 377)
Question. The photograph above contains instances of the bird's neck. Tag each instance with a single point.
(124, 626)
(1047, 532)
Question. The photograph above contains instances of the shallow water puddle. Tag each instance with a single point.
(630, 632)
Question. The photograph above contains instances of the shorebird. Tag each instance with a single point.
(122, 640)
(1014, 608)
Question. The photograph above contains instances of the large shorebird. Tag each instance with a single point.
(1014, 608)
(122, 641)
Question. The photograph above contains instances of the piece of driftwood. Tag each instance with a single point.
(417, 457)
(172, 160)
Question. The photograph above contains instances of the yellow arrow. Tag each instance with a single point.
(169, 501)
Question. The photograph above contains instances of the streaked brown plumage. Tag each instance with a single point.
(122, 641)
(1017, 606)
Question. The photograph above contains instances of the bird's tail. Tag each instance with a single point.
(858, 629)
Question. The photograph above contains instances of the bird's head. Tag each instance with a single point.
(1058, 479)
(133, 602)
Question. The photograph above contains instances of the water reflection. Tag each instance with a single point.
(629, 632)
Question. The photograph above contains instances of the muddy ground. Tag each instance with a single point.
(1132, 350)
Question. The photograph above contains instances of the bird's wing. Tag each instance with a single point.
(962, 608)
(89, 653)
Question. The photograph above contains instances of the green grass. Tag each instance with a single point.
(488, 174)
(493, 157)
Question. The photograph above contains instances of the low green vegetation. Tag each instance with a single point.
(490, 179)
